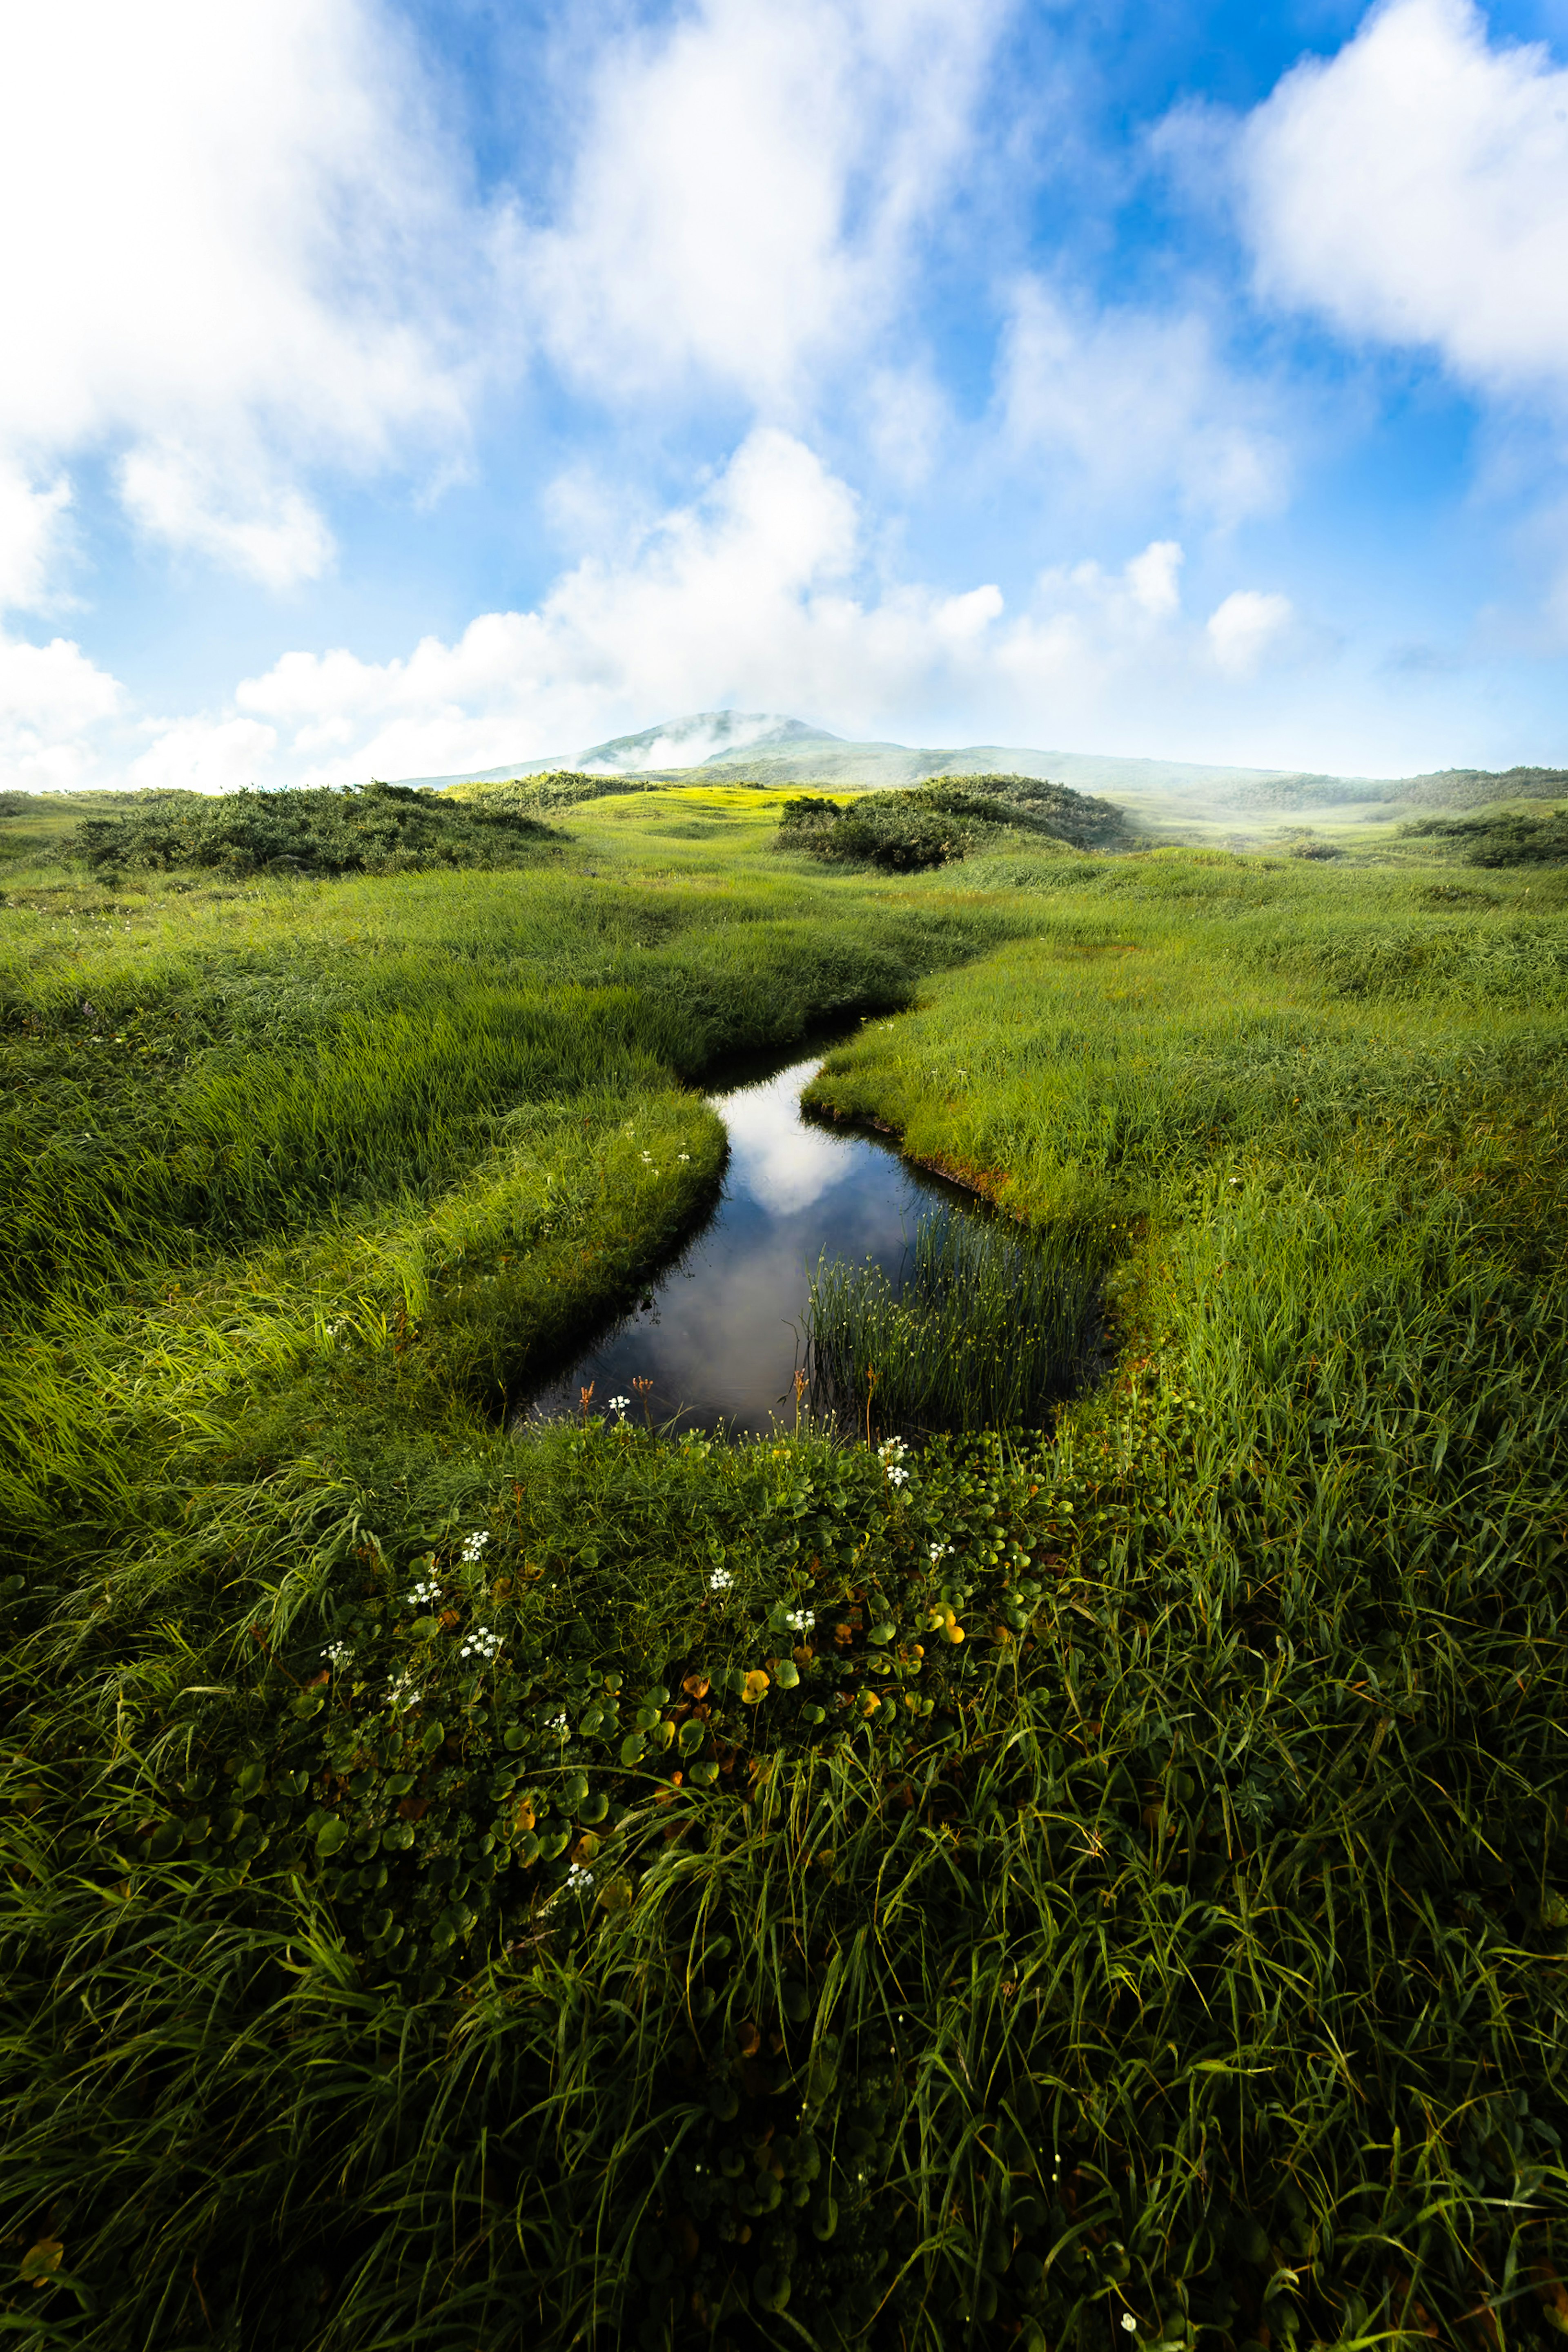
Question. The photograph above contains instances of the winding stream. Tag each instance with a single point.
(720, 1334)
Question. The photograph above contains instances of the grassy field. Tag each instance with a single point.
(1099, 1885)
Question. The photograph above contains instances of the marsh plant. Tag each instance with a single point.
(984, 1326)
(1105, 1884)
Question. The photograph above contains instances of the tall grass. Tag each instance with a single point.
(985, 1327)
(462, 1891)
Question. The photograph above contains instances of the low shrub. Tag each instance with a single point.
(937, 822)
(1508, 837)
(374, 829)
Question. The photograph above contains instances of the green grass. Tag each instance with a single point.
(985, 1328)
(464, 1890)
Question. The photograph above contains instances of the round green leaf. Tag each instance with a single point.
(435, 1733)
(333, 1834)
(633, 1748)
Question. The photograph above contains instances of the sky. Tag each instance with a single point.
(400, 389)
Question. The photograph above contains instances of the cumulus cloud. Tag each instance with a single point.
(244, 254)
(1242, 629)
(751, 596)
(53, 703)
(31, 523)
(1123, 403)
(1413, 190)
(203, 755)
(742, 201)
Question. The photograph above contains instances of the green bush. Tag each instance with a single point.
(1507, 837)
(374, 829)
(937, 822)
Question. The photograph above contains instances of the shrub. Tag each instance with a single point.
(1507, 837)
(937, 822)
(374, 829)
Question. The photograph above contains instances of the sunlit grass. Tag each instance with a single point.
(464, 1890)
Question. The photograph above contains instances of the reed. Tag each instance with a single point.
(984, 1327)
(578, 1888)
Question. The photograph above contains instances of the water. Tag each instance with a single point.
(721, 1334)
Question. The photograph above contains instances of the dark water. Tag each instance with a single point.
(724, 1332)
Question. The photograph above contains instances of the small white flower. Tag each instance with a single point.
(556, 1723)
(577, 1879)
(798, 1620)
(474, 1545)
(404, 1692)
(647, 1159)
(896, 1477)
(422, 1592)
(619, 1404)
(338, 1654)
(720, 1578)
(683, 1155)
(938, 1550)
(1129, 2323)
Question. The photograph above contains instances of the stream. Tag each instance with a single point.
(721, 1331)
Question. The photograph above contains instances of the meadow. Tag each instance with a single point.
(1097, 1883)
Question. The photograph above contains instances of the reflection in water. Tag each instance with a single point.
(722, 1337)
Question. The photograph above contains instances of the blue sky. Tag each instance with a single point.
(398, 389)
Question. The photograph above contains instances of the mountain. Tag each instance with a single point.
(765, 748)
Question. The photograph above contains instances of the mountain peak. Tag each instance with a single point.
(689, 742)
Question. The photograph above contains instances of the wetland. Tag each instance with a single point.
(1087, 1867)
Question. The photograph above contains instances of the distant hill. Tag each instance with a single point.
(765, 748)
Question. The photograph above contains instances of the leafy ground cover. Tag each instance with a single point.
(1097, 1884)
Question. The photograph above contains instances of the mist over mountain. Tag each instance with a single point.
(769, 748)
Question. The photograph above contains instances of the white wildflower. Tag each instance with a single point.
(1129, 2323)
(420, 1593)
(483, 1643)
(338, 1654)
(556, 1723)
(620, 1405)
(896, 1477)
(474, 1545)
(720, 1578)
(683, 1155)
(404, 1692)
(798, 1620)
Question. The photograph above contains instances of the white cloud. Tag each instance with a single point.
(1414, 190)
(270, 530)
(53, 704)
(237, 250)
(201, 755)
(1155, 576)
(1242, 629)
(1122, 405)
(742, 199)
(31, 530)
(746, 598)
